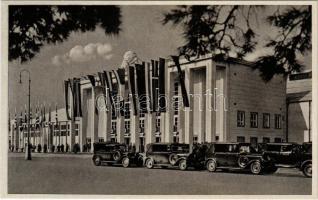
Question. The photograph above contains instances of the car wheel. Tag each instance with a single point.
(173, 159)
(97, 160)
(307, 170)
(183, 165)
(211, 166)
(125, 162)
(243, 161)
(256, 167)
(116, 155)
(149, 163)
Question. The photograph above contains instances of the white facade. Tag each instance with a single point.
(228, 102)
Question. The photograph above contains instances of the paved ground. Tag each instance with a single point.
(75, 174)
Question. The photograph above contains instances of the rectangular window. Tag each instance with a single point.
(240, 118)
(175, 124)
(266, 120)
(127, 126)
(253, 141)
(100, 139)
(240, 139)
(114, 127)
(176, 87)
(158, 139)
(175, 139)
(158, 125)
(127, 110)
(254, 119)
(278, 121)
(277, 140)
(266, 140)
(142, 125)
(195, 139)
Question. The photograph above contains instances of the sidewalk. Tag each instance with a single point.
(34, 154)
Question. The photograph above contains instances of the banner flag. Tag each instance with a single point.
(78, 98)
(141, 85)
(56, 115)
(109, 84)
(102, 80)
(161, 81)
(25, 114)
(50, 114)
(149, 87)
(132, 88)
(92, 80)
(155, 85)
(181, 80)
(66, 85)
(121, 75)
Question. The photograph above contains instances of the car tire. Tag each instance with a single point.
(149, 163)
(116, 155)
(211, 165)
(243, 161)
(173, 159)
(256, 167)
(125, 162)
(307, 170)
(97, 160)
(183, 165)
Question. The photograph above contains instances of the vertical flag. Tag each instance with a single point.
(92, 80)
(121, 75)
(77, 104)
(149, 86)
(181, 80)
(25, 114)
(67, 106)
(155, 85)
(161, 81)
(109, 85)
(56, 115)
(50, 114)
(132, 87)
(141, 85)
(102, 81)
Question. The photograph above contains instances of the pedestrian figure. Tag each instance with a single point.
(62, 148)
(67, 147)
(53, 148)
(58, 148)
(39, 148)
(45, 148)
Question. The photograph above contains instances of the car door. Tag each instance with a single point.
(232, 155)
(220, 154)
(160, 154)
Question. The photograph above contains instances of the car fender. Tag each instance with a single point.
(207, 160)
(305, 163)
(147, 158)
(180, 159)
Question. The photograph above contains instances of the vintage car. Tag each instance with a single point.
(166, 155)
(236, 156)
(115, 154)
(290, 155)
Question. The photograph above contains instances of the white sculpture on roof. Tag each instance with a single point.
(130, 58)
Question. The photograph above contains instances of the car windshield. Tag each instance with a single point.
(120, 147)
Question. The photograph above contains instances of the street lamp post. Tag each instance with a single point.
(28, 150)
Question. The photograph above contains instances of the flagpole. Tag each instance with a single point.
(28, 151)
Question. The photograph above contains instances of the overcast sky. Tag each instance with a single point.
(87, 53)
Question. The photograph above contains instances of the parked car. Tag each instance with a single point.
(115, 153)
(236, 156)
(290, 155)
(166, 155)
(197, 158)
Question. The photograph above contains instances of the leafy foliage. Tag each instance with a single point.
(31, 26)
(223, 29)
(294, 38)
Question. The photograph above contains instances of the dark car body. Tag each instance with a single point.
(236, 156)
(115, 153)
(166, 154)
(290, 155)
